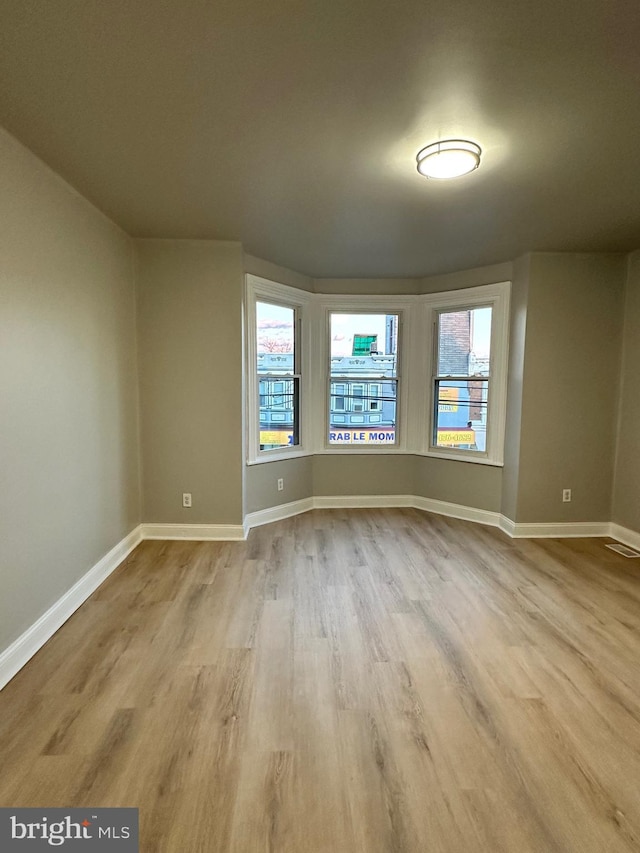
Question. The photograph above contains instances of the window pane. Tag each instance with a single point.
(372, 397)
(279, 416)
(367, 413)
(464, 341)
(364, 345)
(364, 362)
(460, 417)
(460, 405)
(279, 394)
(275, 327)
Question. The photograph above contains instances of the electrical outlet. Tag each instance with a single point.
(566, 495)
(186, 499)
(280, 484)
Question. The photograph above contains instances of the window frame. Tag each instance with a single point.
(327, 305)
(495, 296)
(262, 290)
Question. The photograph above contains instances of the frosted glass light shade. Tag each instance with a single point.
(448, 158)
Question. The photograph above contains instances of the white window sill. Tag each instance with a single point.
(278, 456)
(380, 450)
(461, 457)
(362, 450)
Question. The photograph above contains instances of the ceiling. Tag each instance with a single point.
(293, 126)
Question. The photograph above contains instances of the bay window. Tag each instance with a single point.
(423, 374)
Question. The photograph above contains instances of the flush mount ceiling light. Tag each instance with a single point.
(448, 158)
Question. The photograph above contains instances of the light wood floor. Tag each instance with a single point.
(370, 680)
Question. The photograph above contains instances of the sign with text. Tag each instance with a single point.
(448, 399)
(279, 437)
(360, 435)
(83, 830)
(456, 437)
(364, 344)
(369, 435)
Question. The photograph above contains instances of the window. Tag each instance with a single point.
(274, 358)
(363, 347)
(468, 374)
(339, 399)
(279, 420)
(461, 381)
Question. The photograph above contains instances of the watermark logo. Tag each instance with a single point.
(82, 830)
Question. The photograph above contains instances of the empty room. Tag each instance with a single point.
(319, 426)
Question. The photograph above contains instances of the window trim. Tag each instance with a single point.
(328, 304)
(495, 296)
(262, 290)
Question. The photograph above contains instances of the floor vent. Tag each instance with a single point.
(624, 550)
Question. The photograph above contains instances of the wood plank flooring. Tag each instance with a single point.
(361, 681)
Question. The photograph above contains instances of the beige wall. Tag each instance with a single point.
(353, 474)
(626, 497)
(431, 284)
(273, 272)
(570, 387)
(388, 474)
(367, 286)
(464, 483)
(515, 376)
(261, 483)
(391, 474)
(68, 383)
(467, 278)
(190, 341)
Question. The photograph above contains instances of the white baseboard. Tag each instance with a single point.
(276, 513)
(625, 535)
(466, 513)
(561, 530)
(13, 658)
(194, 532)
(516, 530)
(362, 501)
(282, 511)
(507, 526)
